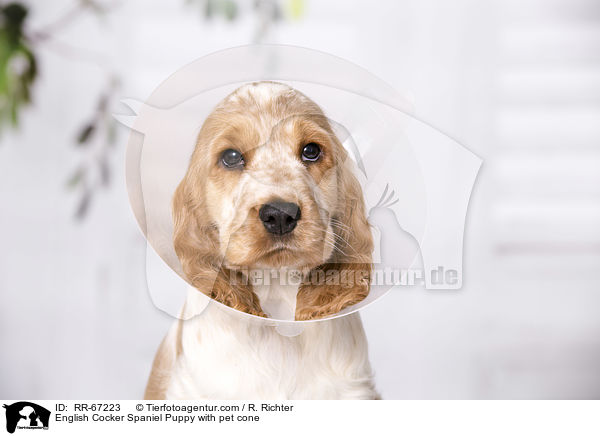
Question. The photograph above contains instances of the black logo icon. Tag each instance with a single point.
(24, 414)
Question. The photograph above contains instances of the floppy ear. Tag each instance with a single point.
(196, 243)
(345, 278)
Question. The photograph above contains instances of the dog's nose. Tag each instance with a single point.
(279, 217)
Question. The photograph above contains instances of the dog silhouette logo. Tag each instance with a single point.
(26, 415)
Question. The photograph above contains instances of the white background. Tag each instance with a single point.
(517, 82)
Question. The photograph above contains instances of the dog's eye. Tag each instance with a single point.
(311, 152)
(232, 158)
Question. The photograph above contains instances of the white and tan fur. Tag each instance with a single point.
(221, 354)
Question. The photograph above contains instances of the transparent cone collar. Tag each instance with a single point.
(416, 181)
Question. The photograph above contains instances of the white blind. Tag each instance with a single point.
(546, 164)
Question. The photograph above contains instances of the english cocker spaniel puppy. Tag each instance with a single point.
(269, 220)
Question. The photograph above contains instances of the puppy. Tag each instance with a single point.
(269, 189)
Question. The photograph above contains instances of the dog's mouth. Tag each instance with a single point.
(279, 252)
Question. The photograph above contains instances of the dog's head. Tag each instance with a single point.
(270, 186)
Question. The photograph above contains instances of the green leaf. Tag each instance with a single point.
(84, 204)
(230, 10)
(76, 178)
(18, 66)
(111, 132)
(295, 9)
(13, 16)
(209, 9)
(105, 174)
(86, 133)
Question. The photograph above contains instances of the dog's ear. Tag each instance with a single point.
(345, 278)
(196, 242)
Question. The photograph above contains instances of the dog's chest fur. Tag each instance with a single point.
(224, 355)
